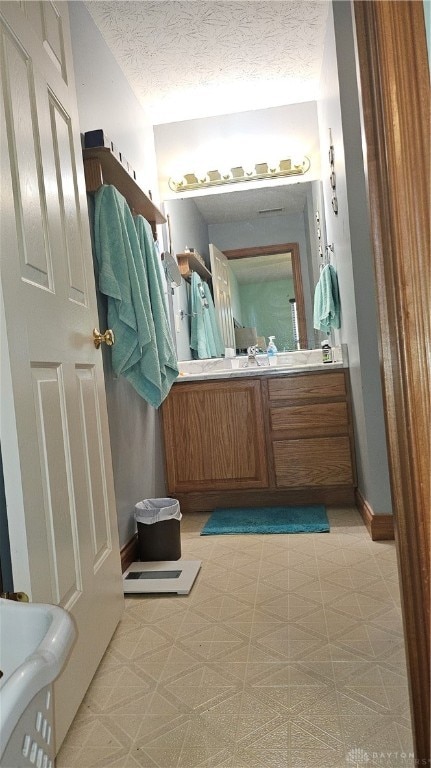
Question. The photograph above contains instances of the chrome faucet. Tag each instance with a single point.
(251, 356)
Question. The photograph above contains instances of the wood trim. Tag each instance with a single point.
(299, 296)
(259, 250)
(102, 167)
(271, 250)
(206, 501)
(380, 527)
(268, 432)
(192, 262)
(129, 553)
(394, 74)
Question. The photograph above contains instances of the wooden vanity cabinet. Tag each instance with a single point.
(269, 440)
(214, 436)
(309, 431)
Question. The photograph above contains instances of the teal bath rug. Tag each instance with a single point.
(311, 519)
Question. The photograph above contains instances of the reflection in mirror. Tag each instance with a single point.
(266, 293)
(240, 223)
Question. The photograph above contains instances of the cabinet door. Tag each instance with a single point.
(214, 436)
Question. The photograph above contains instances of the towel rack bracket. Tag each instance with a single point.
(102, 167)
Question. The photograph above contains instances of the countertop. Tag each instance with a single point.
(287, 363)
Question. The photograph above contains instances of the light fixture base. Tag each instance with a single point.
(214, 178)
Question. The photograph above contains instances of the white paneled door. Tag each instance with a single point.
(222, 297)
(54, 431)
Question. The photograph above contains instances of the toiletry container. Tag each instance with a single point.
(271, 351)
(326, 352)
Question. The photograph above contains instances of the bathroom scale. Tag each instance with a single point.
(161, 576)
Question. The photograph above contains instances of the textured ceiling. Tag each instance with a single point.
(204, 57)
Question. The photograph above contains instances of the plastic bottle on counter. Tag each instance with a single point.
(326, 352)
(271, 351)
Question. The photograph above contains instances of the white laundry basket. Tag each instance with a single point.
(35, 641)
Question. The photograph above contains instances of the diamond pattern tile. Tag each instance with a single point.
(288, 653)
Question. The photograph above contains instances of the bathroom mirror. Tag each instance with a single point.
(252, 228)
(266, 293)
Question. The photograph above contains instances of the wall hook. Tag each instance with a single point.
(183, 314)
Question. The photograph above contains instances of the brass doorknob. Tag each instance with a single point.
(19, 597)
(107, 337)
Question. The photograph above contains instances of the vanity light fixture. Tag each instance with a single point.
(288, 167)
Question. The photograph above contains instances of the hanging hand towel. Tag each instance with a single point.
(198, 338)
(205, 338)
(123, 279)
(327, 301)
(211, 320)
(165, 346)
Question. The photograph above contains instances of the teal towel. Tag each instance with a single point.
(211, 320)
(198, 338)
(165, 345)
(205, 340)
(327, 301)
(122, 278)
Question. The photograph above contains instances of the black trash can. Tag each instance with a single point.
(158, 523)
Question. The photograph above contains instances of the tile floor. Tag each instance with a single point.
(288, 653)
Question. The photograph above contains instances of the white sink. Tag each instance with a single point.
(35, 641)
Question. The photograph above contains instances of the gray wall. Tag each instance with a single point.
(245, 138)
(349, 231)
(188, 230)
(106, 101)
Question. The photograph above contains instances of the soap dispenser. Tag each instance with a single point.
(271, 351)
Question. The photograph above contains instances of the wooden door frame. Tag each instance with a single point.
(271, 250)
(394, 85)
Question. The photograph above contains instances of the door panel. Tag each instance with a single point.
(62, 143)
(57, 481)
(94, 465)
(222, 297)
(26, 165)
(214, 436)
(53, 40)
(53, 427)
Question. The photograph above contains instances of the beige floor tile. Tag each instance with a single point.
(127, 762)
(288, 653)
(318, 758)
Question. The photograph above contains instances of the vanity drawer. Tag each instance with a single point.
(313, 462)
(308, 386)
(310, 418)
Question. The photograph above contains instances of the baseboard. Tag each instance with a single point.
(129, 553)
(200, 501)
(380, 527)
